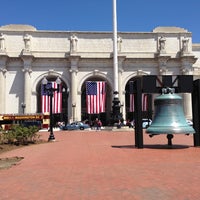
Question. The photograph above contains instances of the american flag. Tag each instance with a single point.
(144, 100)
(56, 101)
(95, 96)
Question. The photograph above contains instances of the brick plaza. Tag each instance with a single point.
(104, 165)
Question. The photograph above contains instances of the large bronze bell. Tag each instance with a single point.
(169, 116)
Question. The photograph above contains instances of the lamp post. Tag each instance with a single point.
(50, 90)
(23, 105)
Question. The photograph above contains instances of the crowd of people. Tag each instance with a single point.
(97, 124)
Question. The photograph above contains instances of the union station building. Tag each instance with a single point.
(27, 55)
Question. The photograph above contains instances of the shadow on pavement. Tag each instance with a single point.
(124, 146)
(165, 146)
(153, 146)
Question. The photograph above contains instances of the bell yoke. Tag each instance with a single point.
(169, 116)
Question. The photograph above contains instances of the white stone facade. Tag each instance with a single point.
(27, 55)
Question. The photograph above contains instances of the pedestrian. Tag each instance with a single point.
(99, 125)
(96, 124)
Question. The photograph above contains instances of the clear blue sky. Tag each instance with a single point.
(96, 15)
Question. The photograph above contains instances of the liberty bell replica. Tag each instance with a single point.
(169, 116)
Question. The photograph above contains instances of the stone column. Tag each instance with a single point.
(27, 82)
(2, 43)
(187, 62)
(121, 60)
(3, 60)
(187, 100)
(74, 70)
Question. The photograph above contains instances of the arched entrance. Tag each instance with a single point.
(61, 116)
(104, 116)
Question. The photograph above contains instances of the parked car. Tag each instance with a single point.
(146, 123)
(75, 126)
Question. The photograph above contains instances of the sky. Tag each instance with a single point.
(97, 15)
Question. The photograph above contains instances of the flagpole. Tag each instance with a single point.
(116, 115)
(115, 55)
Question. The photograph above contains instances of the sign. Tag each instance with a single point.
(22, 117)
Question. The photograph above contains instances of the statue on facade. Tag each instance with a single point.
(119, 42)
(27, 42)
(162, 41)
(73, 40)
(185, 42)
(2, 42)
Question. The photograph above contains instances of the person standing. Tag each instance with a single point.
(99, 124)
(96, 123)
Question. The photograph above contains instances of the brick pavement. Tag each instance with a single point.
(88, 165)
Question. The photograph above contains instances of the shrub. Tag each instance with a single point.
(19, 135)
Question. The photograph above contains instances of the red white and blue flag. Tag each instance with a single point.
(144, 102)
(132, 103)
(95, 96)
(56, 100)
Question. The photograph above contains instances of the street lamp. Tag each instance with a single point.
(116, 114)
(50, 90)
(23, 105)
